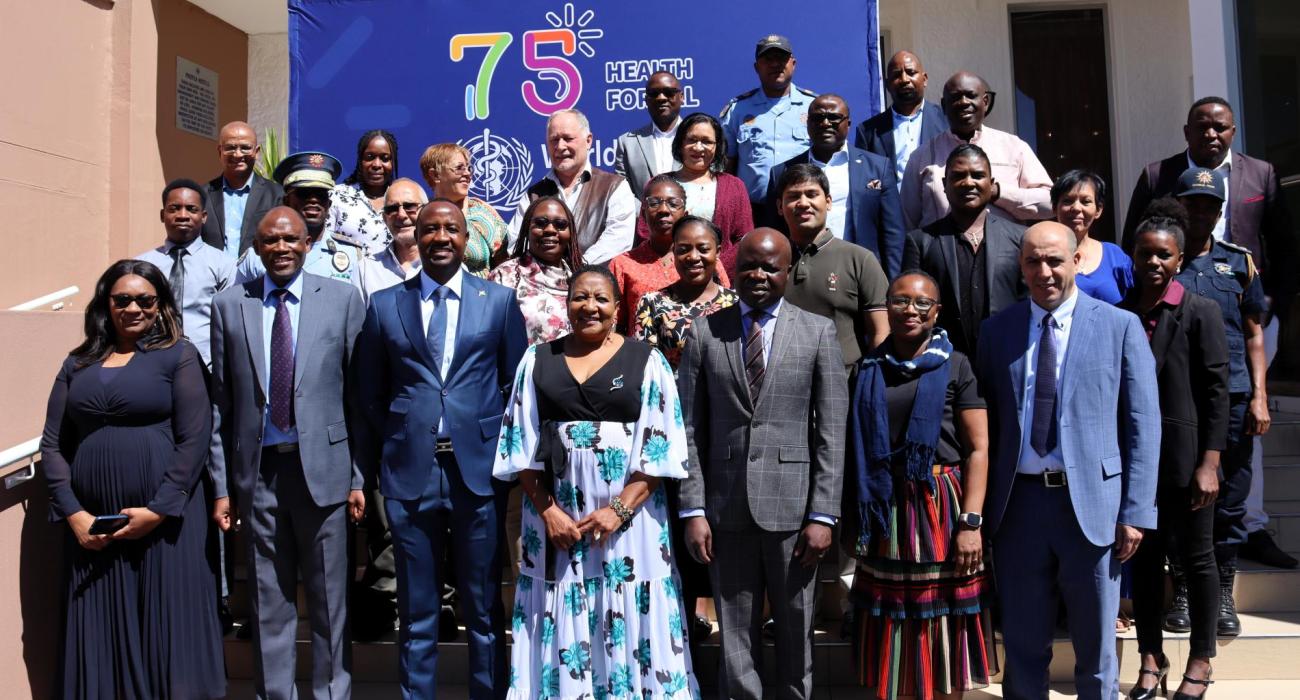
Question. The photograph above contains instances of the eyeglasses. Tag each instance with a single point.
(233, 148)
(673, 203)
(662, 92)
(541, 222)
(144, 301)
(410, 207)
(922, 304)
(829, 117)
(458, 170)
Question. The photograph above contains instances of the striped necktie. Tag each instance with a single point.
(754, 365)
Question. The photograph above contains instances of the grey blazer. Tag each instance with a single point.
(634, 157)
(774, 463)
(329, 318)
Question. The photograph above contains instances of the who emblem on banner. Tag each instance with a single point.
(503, 169)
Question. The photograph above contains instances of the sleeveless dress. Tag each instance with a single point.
(141, 614)
(601, 620)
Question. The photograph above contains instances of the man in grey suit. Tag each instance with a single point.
(764, 397)
(640, 155)
(281, 344)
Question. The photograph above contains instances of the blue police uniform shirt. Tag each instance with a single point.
(763, 132)
(1228, 276)
(329, 257)
(234, 200)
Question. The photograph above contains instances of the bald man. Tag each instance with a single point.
(1024, 187)
(238, 198)
(909, 122)
(281, 345)
(764, 395)
(1074, 423)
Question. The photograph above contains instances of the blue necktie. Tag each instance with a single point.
(438, 328)
(1043, 437)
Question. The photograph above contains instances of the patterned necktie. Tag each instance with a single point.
(754, 366)
(438, 328)
(1043, 437)
(282, 363)
(177, 277)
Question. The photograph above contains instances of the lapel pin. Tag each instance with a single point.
(482, 293)
(617, 384)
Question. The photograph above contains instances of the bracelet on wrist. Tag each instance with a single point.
(624, 513)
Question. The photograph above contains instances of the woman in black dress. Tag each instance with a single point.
(127, 431)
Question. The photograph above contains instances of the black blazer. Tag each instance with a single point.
(1191, 354)
(264, 196)
(933, 248)
(876, 134)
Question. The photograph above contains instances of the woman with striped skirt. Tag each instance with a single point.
(915, 478)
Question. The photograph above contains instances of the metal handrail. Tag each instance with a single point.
(50, 298)
(30, 452)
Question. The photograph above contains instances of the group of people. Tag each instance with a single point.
(920, 352)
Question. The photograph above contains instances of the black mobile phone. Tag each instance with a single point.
(108, 524)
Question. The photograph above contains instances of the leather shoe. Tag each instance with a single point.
(1261, 547)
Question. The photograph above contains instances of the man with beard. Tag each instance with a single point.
(307, 179)
(909, 122)
(1023, 186)
(640, 155)
(238, 198)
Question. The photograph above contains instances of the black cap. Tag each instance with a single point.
(308, 169)
(772, 41)
(1200, 181)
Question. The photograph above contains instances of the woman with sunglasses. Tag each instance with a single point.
(915, 479)
(448, 169)
(126, 438)
(711, 193)
(540, 267)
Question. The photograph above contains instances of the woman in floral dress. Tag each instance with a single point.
(593, 428)
(540, 267)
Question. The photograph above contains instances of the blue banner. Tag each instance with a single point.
(487, 73)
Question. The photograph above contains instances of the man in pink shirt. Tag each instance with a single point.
(1024, 187)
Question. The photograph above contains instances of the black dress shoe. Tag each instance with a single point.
(224, 615)
(1177, 616)
(448, 630)
(701, 628)
(1260, 547)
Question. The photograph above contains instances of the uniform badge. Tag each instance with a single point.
(832, 282)
(316, 160)
(1204, 178)
(1223, 268)
(873, 185)
(341, 261)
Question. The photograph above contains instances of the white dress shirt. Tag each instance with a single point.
(620, 219)
(427, 288)
(1030, 462)
(272, 435)
(1221, 228)
(837, 172)
(663, 147)
(907, 136)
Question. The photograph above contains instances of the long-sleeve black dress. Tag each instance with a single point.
(141, 615)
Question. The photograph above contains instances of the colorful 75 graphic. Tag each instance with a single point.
(568, 81)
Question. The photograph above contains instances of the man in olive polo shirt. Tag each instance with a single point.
(831, 277)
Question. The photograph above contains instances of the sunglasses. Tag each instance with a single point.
(541, 222)
(410, 207)
(922, 304)
(829, 117)
(144, 301)
(662, 92)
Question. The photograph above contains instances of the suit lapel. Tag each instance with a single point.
(1018, 344)
(1163, 336)
(1081, 330)
(948, 247)
(646, 144)
(887, 134)
(217, 194)
(468, 321)
(251, 310)
(782, 329)
(1235, 185)
(256, 190)
(310, 312)
(734, 349)
(408, 310)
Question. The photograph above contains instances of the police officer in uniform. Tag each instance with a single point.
(1226, 273)
(307, 178)
(767, 125)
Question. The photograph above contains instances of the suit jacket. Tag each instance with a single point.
(875, 217)
(1257, 214)
(403, 396)
(1191, 354)
(775, 462)
(634, 157)
(329, 317)
(264, 195)
(1108, 413)
(877, 133)
(933, 249)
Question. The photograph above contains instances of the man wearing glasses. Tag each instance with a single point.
(865, 206)
(641, 154)
(400, 261)
(238, 198)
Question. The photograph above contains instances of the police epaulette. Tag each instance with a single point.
(1235, 247)
(345, 241)
(806, 91)
(243, 255)
(730, 105)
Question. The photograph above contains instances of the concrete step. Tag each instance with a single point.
(1286, 530)
(1264, 590)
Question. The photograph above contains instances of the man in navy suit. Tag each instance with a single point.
(865, 207)
(1074, 420)
(434, 364)
(909, 122)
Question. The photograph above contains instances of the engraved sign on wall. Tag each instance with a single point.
(196, 98)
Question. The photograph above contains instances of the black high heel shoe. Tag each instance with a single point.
(1196, 681)
(1162, 682)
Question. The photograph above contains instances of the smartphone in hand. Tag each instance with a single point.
(108, 524)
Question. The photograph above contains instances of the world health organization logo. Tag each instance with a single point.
(503, 169)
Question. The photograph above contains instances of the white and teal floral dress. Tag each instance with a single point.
(599, 621)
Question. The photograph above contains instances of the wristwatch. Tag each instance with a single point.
(971, 520)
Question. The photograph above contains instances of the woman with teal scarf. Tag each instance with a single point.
(915, 477)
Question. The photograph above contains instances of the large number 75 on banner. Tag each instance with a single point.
(568, 81)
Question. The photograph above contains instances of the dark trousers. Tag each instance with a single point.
(419, 530)
(1188, 537)
(1234, 480)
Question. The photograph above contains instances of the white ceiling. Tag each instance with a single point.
(250, 16)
